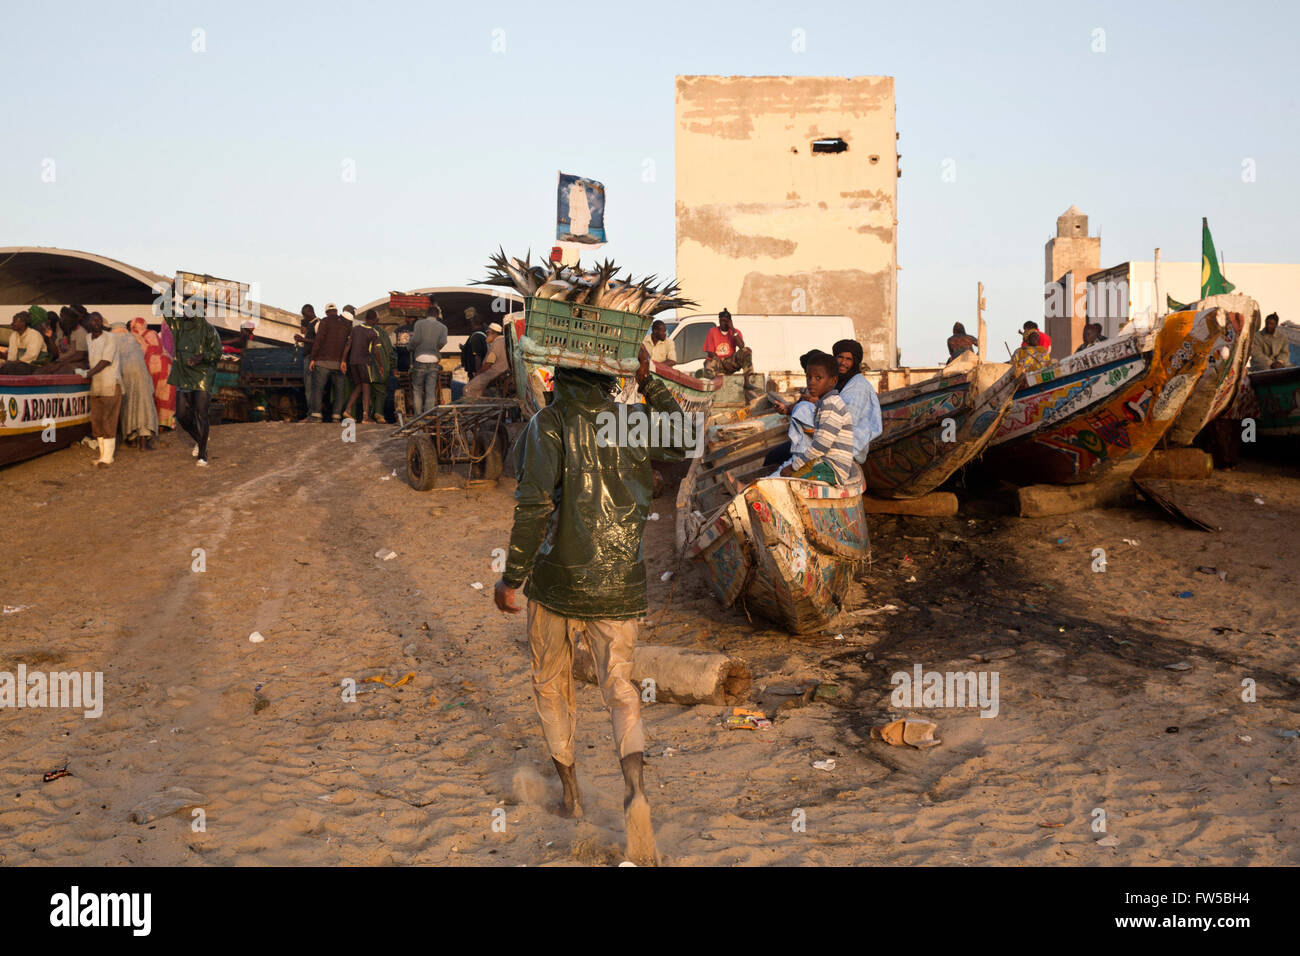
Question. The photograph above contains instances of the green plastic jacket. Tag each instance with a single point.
(583, 498)
(194, 336)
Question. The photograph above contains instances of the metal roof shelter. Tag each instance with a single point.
(50, 277)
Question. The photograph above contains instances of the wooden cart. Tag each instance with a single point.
(467, 433)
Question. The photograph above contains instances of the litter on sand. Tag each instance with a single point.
(15, 608)
(828, 764)
(907, 731)
(666, 576)
(1130, 541)
(387, 683)
(477, 585)
(742, 719)
(384, 554)
(256, 638)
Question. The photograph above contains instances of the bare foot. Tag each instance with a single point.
(571, 805)
(640, 833)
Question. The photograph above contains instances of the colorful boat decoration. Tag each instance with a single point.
(1099, 435)
(1272, 399)
(1218, 386)
(933, 428)
(41, 413)
(784, 548)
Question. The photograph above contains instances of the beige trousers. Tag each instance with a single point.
(551, 640)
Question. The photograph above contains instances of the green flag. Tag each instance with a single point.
(1212, 280)
(1175, 305)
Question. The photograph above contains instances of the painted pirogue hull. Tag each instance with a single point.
(1273, 402)
(933, 428)
(29, 404)
(1076, 437)
(786, 549)
(1217, 387)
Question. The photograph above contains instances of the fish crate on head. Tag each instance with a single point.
(572, 335)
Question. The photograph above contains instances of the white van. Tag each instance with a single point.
(777, 341)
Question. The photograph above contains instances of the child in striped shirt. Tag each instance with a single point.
(830, 457)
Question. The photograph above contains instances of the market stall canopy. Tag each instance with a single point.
(35, 275)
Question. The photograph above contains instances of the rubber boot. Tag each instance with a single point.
(636, 813)
(99, 443)
(572, 805)
(110, 445)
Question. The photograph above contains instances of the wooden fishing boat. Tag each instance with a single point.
(785, 548)
(931, 429)
(1273, 401)
(41, 413)
(1102, 410)
(1217, 387)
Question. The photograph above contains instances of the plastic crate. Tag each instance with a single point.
(408, 304)
(606, 336)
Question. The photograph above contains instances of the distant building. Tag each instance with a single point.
(1127, 291)
(1070, 257)
(787, 197)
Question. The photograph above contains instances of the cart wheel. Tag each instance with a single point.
(490, 468)
(421, 463)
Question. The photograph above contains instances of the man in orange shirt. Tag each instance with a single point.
(724, 348)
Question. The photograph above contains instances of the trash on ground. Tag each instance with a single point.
(56, 774)
(666, 576)
(1183, 594)
(166, 803)
(379, 679)
(256, 638)
(828, 764)
(1133, 541)
(1180, 666)
(907, 731)
(1108, 841)
(875, 610)
(15, 608)
(477, 585)
(654, 516)
(742, 719)
(385, 554)
(1204, 570)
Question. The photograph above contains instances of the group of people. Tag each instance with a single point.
(353, 362)
(833, 421)
(141, 380)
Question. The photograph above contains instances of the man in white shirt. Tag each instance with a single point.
(26, 348)
(662, 349)
(105, 377)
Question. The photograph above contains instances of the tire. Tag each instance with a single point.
(421, 463)
(493, 464)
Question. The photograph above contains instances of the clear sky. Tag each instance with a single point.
(231, 161)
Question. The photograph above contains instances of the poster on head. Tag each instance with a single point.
(580, 215)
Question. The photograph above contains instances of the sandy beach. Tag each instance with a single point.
(1116, 694)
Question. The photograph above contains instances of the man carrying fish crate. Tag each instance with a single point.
(581, 507)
